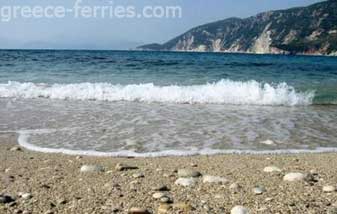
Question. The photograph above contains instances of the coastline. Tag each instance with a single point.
(57, 185)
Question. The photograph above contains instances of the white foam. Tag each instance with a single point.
(24, 137)
(222, 92)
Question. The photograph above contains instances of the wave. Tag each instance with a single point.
(221, 92)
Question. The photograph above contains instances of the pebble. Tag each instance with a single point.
(187, 173)
(165, 199)
(239, 210)
(259, 190)
(124, 167)
(136, 210)
(294, 176)
(138, 175)
(214, 179)
(15, 148)
(329, 189)
(5, 199)
(92, 168)
(272, 169)
(158, 195)
(186, 182)
(26, 196)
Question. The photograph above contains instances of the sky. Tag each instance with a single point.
(70, 32)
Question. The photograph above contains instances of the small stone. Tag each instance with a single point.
(329, 189)
(294, 176)
(138, 175)
(92, 168)
(164, 209)
(15, 148)
(272, 169)
(136, 210)
(124, 167)
(187, 173)
(165, 199)
(239, 210)
(214, 179)
(78, 157)
(26, 196)
(268, 199)
(186, 182)
(49, 212)
(5, 199)
(159, 195)
(259, 190)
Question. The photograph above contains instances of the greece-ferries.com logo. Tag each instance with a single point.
(81, 9)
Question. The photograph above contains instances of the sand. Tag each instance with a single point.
(56, 185)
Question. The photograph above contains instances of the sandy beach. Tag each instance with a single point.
(54, 183)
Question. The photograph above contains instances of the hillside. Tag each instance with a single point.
(303, 30)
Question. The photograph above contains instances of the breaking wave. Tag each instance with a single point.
(221, 92)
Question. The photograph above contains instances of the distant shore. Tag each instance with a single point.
(54, 183)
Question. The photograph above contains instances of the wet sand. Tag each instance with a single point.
(54, 183)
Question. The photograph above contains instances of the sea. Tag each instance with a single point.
(133, 103)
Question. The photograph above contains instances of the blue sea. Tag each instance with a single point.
(130, 103)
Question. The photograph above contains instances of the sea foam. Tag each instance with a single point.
(221, 92)
(24, 135)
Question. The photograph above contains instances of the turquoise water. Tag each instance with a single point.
(159, 103)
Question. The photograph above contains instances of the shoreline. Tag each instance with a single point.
(57, 185)
(22, 140)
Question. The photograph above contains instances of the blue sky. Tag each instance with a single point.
(124, 33)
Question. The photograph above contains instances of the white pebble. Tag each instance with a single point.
(186, 182)
(258, 190)
(294, 176)
(138, 175)
(159, 195)
(26, 196)
(92, 168)
(239, 210)
(329, 189)
(272, 169)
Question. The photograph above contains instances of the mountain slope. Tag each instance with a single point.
(304, 30)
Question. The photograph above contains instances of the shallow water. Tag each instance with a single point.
(145, 103)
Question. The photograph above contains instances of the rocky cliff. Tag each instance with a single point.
(303, 30)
